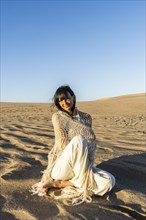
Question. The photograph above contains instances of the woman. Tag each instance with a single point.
(70, 162)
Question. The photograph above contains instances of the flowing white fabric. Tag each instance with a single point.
(73, 165)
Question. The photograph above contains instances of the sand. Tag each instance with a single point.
(27, 136)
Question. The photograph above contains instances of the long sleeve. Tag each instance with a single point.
(61, 134)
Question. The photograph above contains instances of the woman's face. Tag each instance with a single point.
(67, 104)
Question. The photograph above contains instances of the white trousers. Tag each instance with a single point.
(74, 165)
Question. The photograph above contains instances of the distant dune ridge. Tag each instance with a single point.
(27, 136)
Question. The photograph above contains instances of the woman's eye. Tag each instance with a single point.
(60, 100)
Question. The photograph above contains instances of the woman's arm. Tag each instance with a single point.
(60, 135)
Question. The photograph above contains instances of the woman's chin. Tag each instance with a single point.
(68, 110)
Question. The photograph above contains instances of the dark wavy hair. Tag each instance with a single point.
(62, 93)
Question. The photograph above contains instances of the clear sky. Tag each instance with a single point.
(97, 47)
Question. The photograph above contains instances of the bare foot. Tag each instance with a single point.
(56, 184)
(48, 185)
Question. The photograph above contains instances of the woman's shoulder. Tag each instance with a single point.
(84, 114)
(58, 116)
(86, 118)
(55, 116)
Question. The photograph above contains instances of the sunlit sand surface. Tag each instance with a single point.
(27, 136)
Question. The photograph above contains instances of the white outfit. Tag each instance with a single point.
(73, 165)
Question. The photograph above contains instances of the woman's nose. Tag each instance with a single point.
(64, 101)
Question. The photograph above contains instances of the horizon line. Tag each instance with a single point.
(28, 102)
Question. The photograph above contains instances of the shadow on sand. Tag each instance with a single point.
(129, 171)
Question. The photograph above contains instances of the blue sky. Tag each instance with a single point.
(97, 47)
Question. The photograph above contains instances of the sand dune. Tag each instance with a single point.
(27, 136)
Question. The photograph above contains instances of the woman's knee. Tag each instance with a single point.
(79, 141)
(78, 138)
(77, 148)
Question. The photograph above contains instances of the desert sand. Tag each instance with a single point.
(27, 136)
